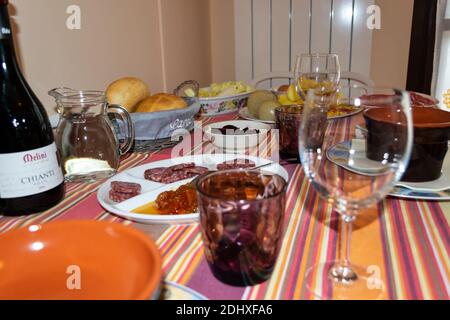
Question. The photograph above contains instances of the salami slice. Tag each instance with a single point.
(236, 164)
(121, 197)
(175, 173)
(154, 174)
(196, 171)
(126, 187)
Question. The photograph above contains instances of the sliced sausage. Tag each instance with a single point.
(121, 197)
(125, 187)
(236, 164)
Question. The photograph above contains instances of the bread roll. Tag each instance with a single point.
(161, 102)
(127, 92)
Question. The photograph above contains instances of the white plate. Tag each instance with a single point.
(237, 142)
(433, 190)
(351, 114)
(150, 189)
(245, 114)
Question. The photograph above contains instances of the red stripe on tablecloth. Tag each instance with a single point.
(425, 249)
(390, 285)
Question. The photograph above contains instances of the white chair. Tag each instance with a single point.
(272, 76)
(357, 77)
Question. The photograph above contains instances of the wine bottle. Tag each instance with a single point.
(31, 178)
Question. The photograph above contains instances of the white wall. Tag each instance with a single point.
(161, 41)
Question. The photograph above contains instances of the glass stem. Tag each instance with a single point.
(342, 271)
(346, 240)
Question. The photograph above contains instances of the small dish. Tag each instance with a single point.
(79, 260)
(237, 142)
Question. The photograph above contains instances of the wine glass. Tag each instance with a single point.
(317, 70)
(353, 172)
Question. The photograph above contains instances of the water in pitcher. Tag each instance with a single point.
(86, 136)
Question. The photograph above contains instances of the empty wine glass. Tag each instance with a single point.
(353, 173)
(317, 70)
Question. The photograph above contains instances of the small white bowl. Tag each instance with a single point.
(237, 142)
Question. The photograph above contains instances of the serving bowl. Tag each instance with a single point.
(237, 142)
(78, 260)
(431, 135)
(223, 105)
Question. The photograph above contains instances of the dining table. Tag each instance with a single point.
(406, 240)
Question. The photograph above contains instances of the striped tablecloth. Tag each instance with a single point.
(409, 241)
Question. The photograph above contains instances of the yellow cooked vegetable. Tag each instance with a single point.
(225, 89)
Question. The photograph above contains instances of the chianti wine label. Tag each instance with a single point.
(28, 173)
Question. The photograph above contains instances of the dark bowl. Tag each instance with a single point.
(431, 135)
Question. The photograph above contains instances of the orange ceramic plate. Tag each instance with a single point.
(78, 260)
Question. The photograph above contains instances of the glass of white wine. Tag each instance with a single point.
(317, 70)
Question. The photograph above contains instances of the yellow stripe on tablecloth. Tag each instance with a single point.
(367, 244)
(301, 290)
(415, 253)
(172, 240)
(166, 235)
(446, 209)
(196, 260)
(77, 195)
(185, 261)
(177, 246)
(262, 151)
(27, 220)
(251, 293)
(324, 239)
(437, 246)
(436, 242)
(398, 278)
(288, 246)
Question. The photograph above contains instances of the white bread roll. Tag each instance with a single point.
(161, 102)
(127, 92)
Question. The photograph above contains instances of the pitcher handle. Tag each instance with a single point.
(126, 118)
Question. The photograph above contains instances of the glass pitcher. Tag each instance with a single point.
(86, 137)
